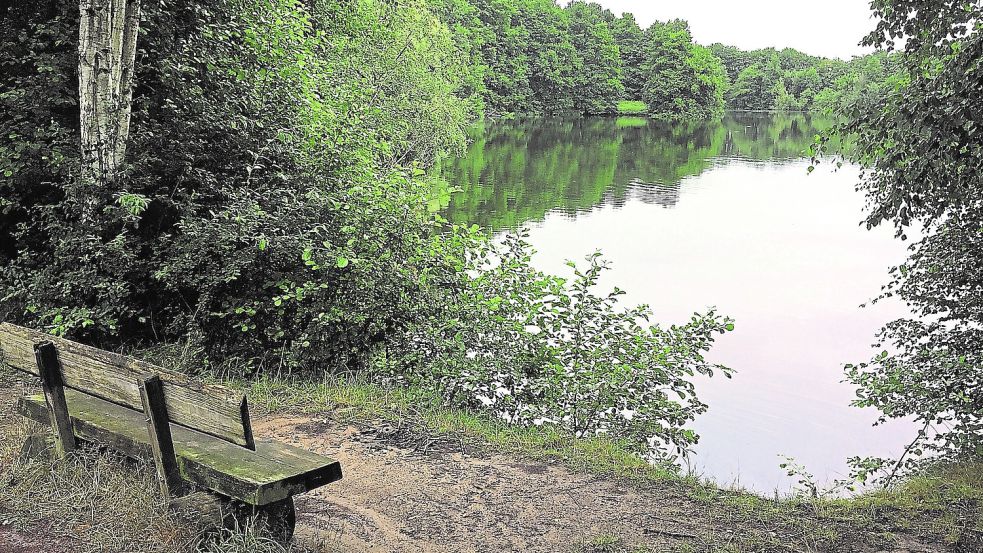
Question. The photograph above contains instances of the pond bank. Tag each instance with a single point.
(419, 478)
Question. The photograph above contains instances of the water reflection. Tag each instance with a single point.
(518, 171)
(718, 214)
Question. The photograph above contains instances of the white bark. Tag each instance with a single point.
(107, 51)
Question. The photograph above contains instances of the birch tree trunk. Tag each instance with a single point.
(107, 52)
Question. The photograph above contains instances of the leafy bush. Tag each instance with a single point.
(267, 209)
(539, 349)
(918, 137)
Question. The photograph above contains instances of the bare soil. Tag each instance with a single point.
(21, 541)
(395, 498)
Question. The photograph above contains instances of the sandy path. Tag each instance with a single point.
(393, 499)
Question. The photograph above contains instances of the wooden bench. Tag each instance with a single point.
(199, 437)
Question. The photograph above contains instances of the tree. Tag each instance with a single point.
(631, 47)
(752, 90)
(598, 84)
(108, 31)
(734, 59)
(682, 79)
(504, 46)
(553, 60)
(919, 140)
(784, 101)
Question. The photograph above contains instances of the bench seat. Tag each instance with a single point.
(271, 473)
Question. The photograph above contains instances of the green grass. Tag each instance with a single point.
(632, 107)
(421, 412)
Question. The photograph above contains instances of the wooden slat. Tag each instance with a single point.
(210, 409)
(46, 360)
(159, 432)
(271, 473)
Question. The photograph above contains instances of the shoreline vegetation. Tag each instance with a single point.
(261, 217)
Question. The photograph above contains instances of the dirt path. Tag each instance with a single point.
(398, 497)
(393, 499)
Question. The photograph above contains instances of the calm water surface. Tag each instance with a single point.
(712, 214)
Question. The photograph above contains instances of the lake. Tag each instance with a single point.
(699, 214)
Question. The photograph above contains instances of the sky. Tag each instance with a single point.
(830, 28)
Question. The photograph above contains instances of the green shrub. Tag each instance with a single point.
(537, 349)
(268, 209)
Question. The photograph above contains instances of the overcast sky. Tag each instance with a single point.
(829, 28)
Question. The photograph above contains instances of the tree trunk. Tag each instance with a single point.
(107, 52)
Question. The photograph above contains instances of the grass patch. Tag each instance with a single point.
(424, 412)
(632, 107)
(87, 495)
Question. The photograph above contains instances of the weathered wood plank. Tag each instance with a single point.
(46, 359)
(159, 432)
(213, 410)
(272, 472)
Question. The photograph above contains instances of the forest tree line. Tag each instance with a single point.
(538, 57)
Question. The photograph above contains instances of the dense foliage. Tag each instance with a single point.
(540, 349)
(272, 212)
(682, 79)
(789, 80)
(920, 140)
(541, 58)
(267, 179)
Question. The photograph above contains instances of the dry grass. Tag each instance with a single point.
(98, 501)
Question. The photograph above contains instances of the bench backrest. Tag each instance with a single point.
(214, 410)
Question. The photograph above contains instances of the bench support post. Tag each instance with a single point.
(54, 394)
(158, 426)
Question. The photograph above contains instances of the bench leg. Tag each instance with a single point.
(278, 520)
(159, 428)
(49, 367)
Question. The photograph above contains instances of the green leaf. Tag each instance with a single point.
(342, 262)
